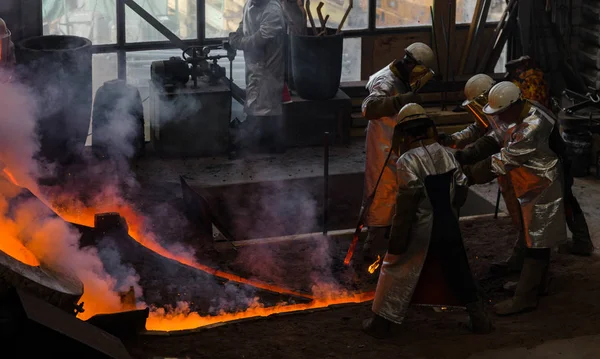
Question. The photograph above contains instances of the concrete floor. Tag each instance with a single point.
(308, 162)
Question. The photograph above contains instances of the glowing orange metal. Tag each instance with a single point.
(373, 267)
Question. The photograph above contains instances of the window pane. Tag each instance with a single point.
(398, 13)
(179, 16)
(352, 56)
(466, 8)
(357, 19)
(104, 68)
(92, 19)
(223, 16)
(501, 61)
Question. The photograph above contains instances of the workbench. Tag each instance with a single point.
(307, 120)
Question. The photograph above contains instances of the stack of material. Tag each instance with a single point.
(589, 54)
(447, 121)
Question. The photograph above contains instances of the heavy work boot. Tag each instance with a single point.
(377, 327)
(514, 263)
(479, 322)
(528, 288)
(544, 287)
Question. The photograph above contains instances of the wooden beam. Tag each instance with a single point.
(470, 36)
(478, 38)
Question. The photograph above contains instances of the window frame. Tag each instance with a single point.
(121, 47)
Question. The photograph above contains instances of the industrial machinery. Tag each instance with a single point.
(195, 62)
(191, 119)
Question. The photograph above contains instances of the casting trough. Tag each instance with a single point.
(281, 206)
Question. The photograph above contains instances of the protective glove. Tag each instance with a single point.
(478, 151)
(405, 98)
(445, 140)
(235, 39)
(480, 173)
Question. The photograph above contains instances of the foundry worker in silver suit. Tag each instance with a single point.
(484, 136)
(389, 89)
(535, 172)
(431, 187)
(486, 146)
(261, 36)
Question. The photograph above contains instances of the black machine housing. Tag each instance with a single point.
(195, 62)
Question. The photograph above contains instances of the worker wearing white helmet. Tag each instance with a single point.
(389, 89)
(7, 48)
(535, 170)
(484, 136)
(431, 187)
(476, 91)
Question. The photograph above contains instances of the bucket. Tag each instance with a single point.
(317, 65)
(59, 70)
(579, 151)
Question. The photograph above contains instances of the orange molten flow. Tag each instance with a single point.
(14, 248)
(10, 244)
(182, 320)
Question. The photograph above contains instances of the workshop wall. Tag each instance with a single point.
(379, 50)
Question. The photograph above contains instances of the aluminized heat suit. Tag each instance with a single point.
(383, 83)
(261, 36)
(400, 273)
(471, 134)
(534, 171)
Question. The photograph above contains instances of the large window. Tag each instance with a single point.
(179, 16)
(466, 8)
(92, 19)
(397, 13)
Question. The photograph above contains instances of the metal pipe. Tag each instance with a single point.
(325, 180)
(497, 204)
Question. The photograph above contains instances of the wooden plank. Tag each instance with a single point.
(491, 44)
(478, 39)
(367, 67)
(470, 36)
(511, 26)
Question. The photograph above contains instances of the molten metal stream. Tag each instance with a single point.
(159, 319)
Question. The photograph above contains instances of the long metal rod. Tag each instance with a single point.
(497, 203)
(325, 180)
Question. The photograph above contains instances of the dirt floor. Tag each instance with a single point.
(570, 310)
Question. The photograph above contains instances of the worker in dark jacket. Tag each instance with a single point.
(261, 35)
(389, 89)
(431, 187)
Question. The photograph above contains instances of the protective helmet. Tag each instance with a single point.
(411, 112)
(478, 86)
(501, 97)
(421, 54)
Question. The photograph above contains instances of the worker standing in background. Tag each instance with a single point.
(7, 48)
(431, 187)
(535, 171)
(389, 90)
(261, 35)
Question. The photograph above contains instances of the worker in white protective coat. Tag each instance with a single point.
(261, 35)
(431, 188)
(536, 174)
(389, 89)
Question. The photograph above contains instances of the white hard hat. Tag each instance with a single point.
(411, 112)
(477, 86)
(501, 96)
(421, 53)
